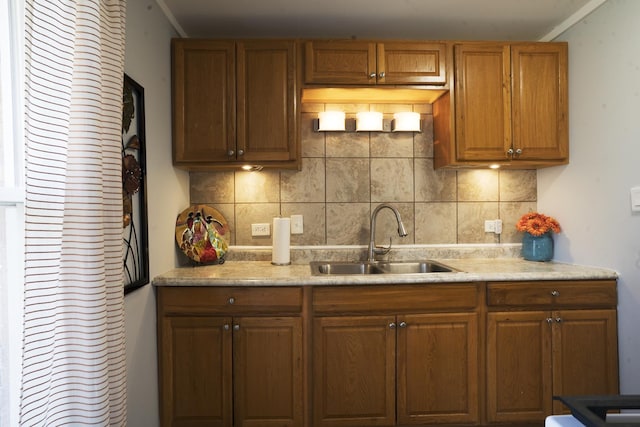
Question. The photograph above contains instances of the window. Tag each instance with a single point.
(11, 206)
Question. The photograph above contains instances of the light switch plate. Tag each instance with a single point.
(635, 199)
(296, 224)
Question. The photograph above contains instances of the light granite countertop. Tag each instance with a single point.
(263, 273)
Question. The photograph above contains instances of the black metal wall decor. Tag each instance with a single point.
(134, 199)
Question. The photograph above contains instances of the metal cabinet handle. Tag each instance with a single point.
(226, 327)
(558, 319)
(518, 151)
(372, 75)
(403, 324)
(240, 152)
(555, 293)
(231, 153)
(232, 300)
(392, 325)
(381, 75)
(510, 152)
(236, 327)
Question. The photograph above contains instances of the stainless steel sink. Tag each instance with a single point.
(409, 267)
(321, 268)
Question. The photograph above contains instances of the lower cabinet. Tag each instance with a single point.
(229, 370)
(395, 369)
(458, 354)
(533, 355)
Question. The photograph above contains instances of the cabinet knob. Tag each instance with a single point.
(236, 327)
(381, 75)
(232, 300)
(403, 324)
(392, 325)
(240, 152)
(549, 320)
(555, 293)
(226, 327)
(510, 152)
(372, 75)
(558, 319)
(518, 151)
(231, 153)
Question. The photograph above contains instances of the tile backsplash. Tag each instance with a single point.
(345, 175)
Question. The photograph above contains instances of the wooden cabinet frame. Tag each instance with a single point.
(508, 106)
(214, 348)
(546, 339)
(235, 103)
(398, 355)
(343, 356)
(355, 62)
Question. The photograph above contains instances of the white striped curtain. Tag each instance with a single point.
(74, 355)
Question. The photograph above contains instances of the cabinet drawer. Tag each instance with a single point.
(553, 294)
(393, 299)
(229, 300)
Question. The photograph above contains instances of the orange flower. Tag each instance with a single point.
(537, 224)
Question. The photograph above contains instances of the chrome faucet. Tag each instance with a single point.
(373, 251)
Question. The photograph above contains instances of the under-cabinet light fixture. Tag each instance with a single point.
(251, 168)
(367, 121)
(370, 121)
(406, 121)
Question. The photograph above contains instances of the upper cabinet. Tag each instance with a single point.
(234, 103)
(351, 62)
(509, 106)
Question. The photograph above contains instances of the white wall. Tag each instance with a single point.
(590, 196)
(147, 61)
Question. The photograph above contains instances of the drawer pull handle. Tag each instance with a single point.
(232, 300)
(555, 293)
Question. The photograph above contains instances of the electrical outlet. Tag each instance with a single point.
(489, 226)
(493, 226)
(260, 229)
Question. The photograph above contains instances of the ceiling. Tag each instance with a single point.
(377, 19)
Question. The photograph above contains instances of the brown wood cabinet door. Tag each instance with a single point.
(354, 360)
(204, 94)
(195, 362)
(539, 101)
(585, 353)
(267, 366)
(437, 369)
(411, 63)
(482, 102)
(340, 62)
(266, 94)
(519, 381)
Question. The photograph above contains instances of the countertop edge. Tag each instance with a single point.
(261, 273)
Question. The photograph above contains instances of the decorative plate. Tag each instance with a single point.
(202, 234)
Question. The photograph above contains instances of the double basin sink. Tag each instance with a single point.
(324, 268)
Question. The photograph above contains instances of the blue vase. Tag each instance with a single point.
(537, 248)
